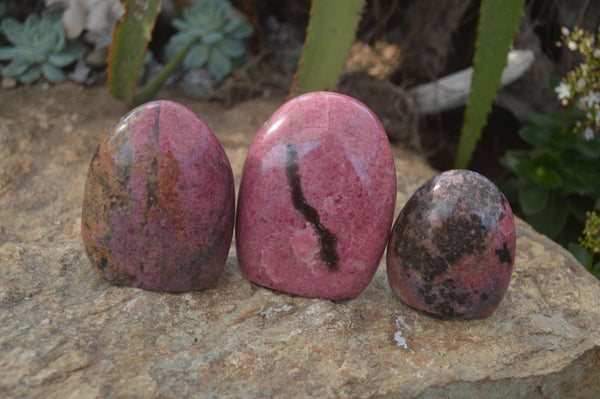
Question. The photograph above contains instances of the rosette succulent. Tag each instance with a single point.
(213, 34)
(40, 48)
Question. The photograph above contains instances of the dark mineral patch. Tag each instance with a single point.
(504, 254)
(461, 234)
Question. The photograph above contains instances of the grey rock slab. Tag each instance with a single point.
(65, 332)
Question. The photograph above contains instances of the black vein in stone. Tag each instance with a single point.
(327, 239)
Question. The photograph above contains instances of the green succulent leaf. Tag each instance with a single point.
(14, 31)
(31, 75)
(180, 24)
(69, 54)
(212, 37)
(533, 198)
(40, 48)
(31, 24)
(15, 68)
(232, 25)
(231, 47)
(6, 53)
(177, 43)
(218, 64)
(196, 57)
(52, 73)
(60, 60)
(213, 34)
(61, 39)
(241, 31)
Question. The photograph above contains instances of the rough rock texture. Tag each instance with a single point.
(65, 332)
(452, 248)
(158, 205)
(317, 198)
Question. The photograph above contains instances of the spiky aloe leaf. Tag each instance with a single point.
(330, 33)
(130, 42)
(498, 24)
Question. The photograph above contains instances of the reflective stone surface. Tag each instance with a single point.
(452, 247)
(158, 207)
(317, 198)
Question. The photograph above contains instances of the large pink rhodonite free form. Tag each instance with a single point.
(158, 208)
(452, 248)
(317, 198)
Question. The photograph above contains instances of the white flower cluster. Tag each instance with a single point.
(581, 86)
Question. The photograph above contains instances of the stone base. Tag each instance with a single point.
(65, 332)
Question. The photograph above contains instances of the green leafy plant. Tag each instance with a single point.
(580, 87)
(40, 49)
(209, 36)
(126, 56)
(589, 247)
(213, 35)
(557, 179)
(498, 24)
(330, 33)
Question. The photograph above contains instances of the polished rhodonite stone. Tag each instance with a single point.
(317, 198)
(158, 207)
(452, 247)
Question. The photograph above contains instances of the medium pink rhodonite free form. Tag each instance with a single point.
(317, 198)
(158, 208)
(452, 248)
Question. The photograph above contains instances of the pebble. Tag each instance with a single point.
(158, 208)
(452, 248)
(317, 198)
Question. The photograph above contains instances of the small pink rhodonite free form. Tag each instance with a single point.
(158, 208)
(452, 248)
(317, 198)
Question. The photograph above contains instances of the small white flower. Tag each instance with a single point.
(591, 99)
(597, 53)
(588, 133)
(580, 84)
(564, 30)
(572, 45)
(563, 90)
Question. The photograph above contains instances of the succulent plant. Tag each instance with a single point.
(40, 48)
(213, 34)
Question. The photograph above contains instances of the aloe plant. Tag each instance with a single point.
(130, 42)
(209, 36)
(40, 49)
(498, 24)
(330, 33)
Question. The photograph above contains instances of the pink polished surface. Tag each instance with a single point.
(452, 247)
(317, 198)
(158, 207)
